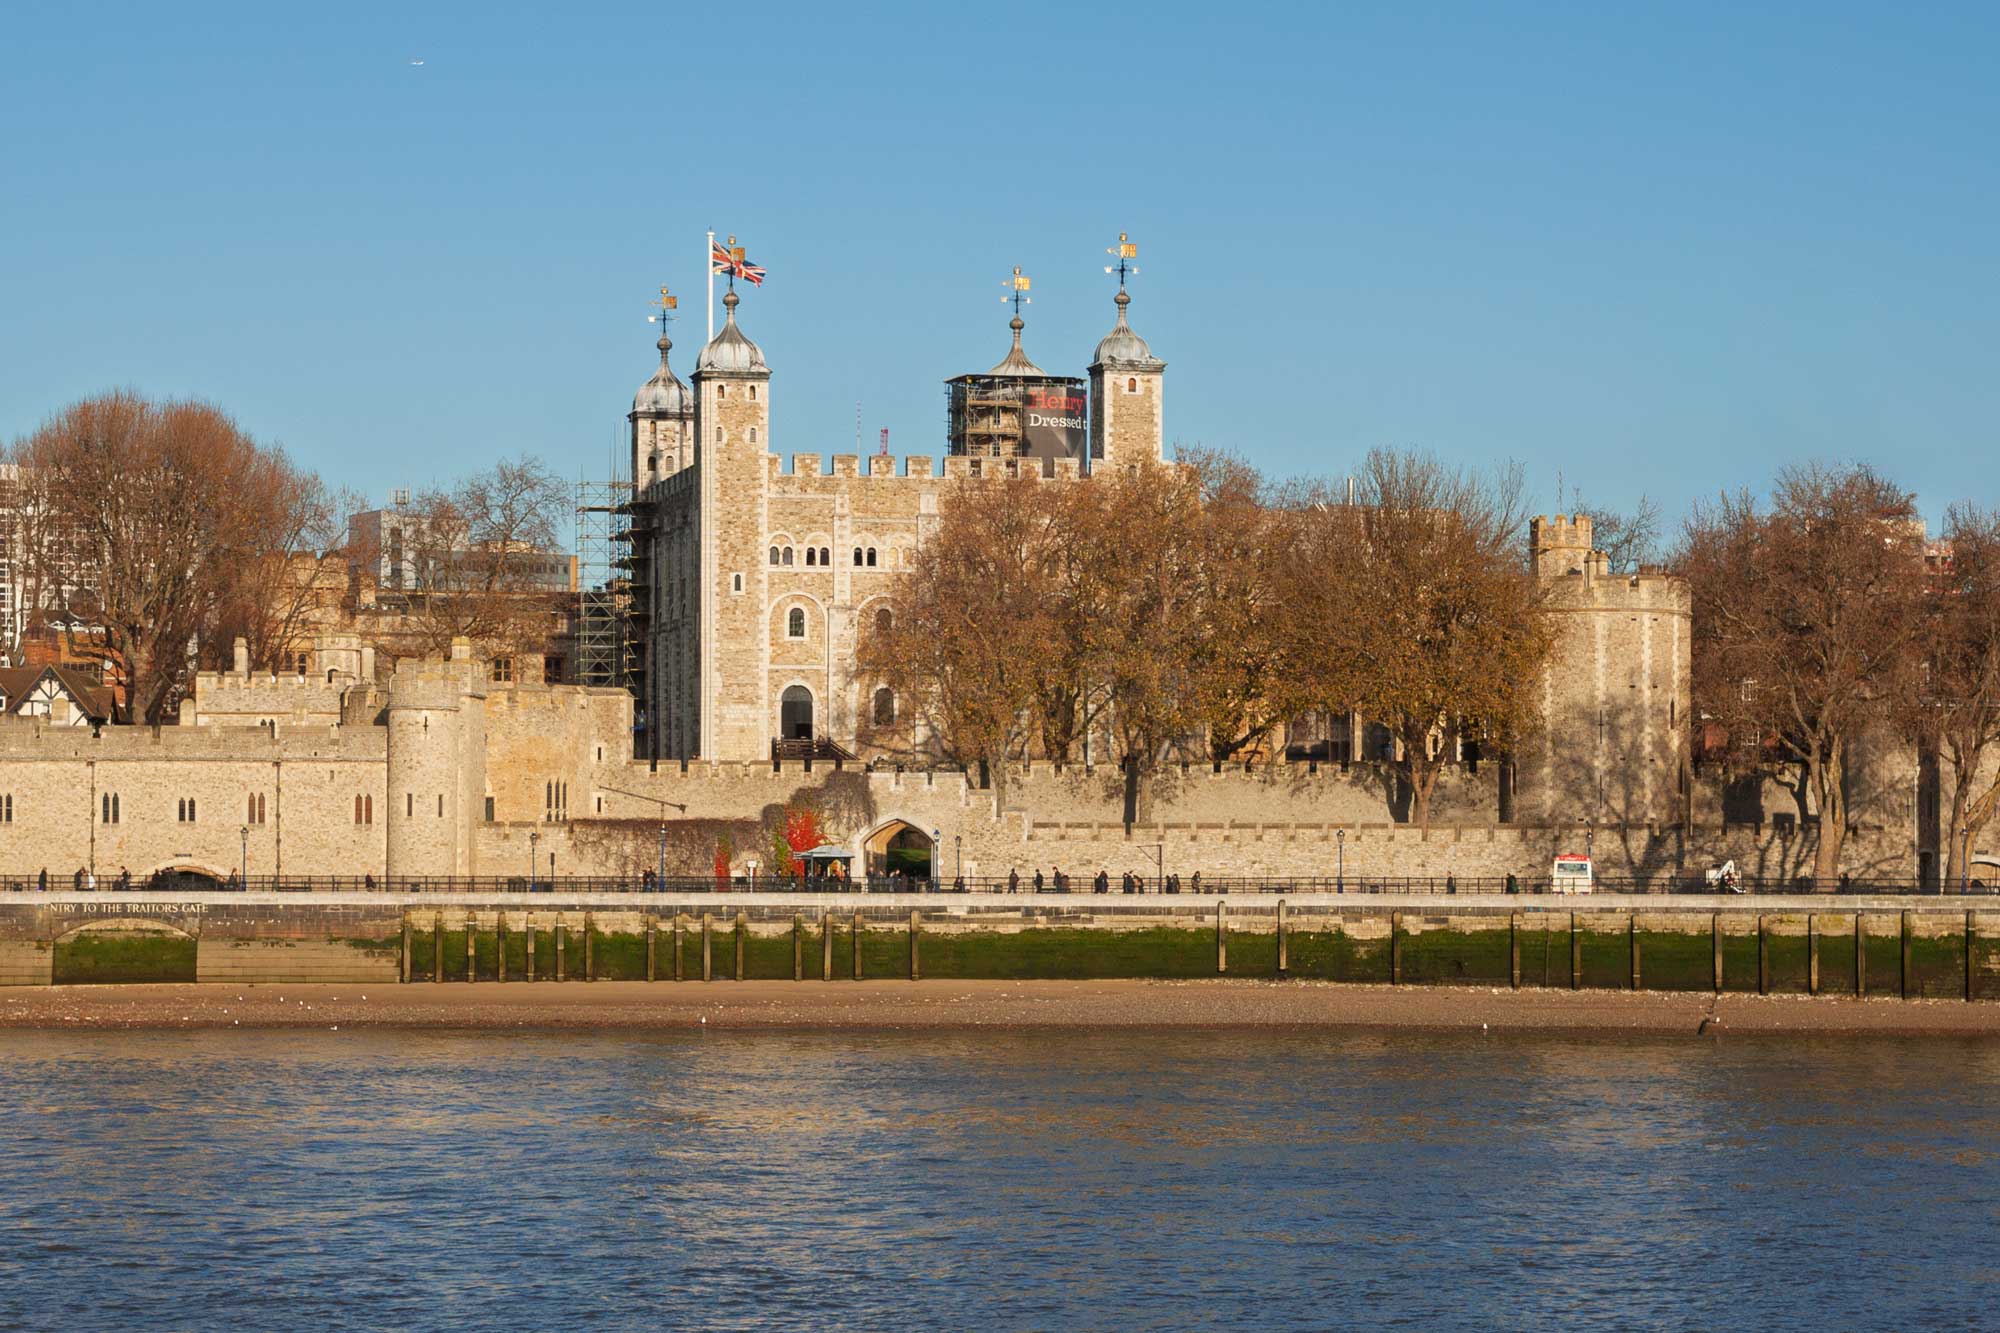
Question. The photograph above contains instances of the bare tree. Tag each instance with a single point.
(141, 518)
(481, 561)
(1806, 624)
(1956, 712)
(295, 581)
(1628, 540)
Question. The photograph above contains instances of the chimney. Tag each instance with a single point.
(368, 664)
(242, 656)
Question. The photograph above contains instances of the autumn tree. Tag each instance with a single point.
(1807, 616)
(481, 560)
(968, 634)
(141, 520)
(1955, 713)
(1416, 607)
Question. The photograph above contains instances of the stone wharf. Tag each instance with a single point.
(1881, 947)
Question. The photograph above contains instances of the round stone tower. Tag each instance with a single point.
(436, 766)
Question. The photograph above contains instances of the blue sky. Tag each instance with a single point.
(1657, 249)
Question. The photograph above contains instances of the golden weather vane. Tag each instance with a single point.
(1018, 290)
(1124, 252)
(668, 303)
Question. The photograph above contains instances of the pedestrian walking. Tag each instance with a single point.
(1038, 879)
(1013, 881)
(1128, 883)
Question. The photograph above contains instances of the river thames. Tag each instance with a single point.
(1011, 1179)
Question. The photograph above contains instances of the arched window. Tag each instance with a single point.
(826, 557)
(1132, 384)
(774, 555)
(718, 435)
(788, 555)
(795, 623)
(871, 557)
(753, 393)
(885, 621)
(753, 435)
(812, 556)
(885, 707)
(722, 391)
(857, 556)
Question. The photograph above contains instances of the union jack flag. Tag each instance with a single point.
(725, 259)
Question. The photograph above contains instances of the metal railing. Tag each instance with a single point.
(1067, 885)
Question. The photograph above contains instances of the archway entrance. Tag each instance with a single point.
(795, 714)
(900, 851)
(123, 949)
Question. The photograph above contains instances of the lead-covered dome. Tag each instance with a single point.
(664, 395)
(730, 352)
(1123, 347)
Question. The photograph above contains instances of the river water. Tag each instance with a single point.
(1017, 1180)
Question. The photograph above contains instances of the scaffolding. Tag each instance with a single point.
(606, 647)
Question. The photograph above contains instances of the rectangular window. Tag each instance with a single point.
(489, 809)
(409, 804)
(7, 808)
(503, 669)
(440, 805)
(108, 809)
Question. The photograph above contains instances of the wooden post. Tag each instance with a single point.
(1763, 958)
(471, 957)
(1812, 954)
(437, 947)
(1632, 940)
(857, 946)
(652, 928)
(826, 944)
(1575, 955)
(798, 947)
(742, 929)
(913, 944)
(1715, 945)
(1221, 937)
(1283, 961)
(500, 946)
(406, 946)
(1395, 948)
(1514, 950)
(528, 936)
(1860, 956)
(1971, 934)
(562, 938)
(1906, 955)
(680, 939)
(589, 947)
(707, 955)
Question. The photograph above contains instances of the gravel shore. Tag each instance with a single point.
(972, 1004)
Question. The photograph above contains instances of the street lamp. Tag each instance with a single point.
(533, 838)
(245, 862)
(958, 855)
(1340, 860)
(1965, 862)
(661, 882)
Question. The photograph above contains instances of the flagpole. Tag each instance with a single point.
(708, 267)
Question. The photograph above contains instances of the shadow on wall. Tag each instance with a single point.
(631, 847)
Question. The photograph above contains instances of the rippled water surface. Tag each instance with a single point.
(203, 1180)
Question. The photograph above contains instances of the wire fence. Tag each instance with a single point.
(1061, 884)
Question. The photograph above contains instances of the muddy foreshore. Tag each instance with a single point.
(945, 1004)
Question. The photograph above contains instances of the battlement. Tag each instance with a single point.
(1562, 545)
(22, 740)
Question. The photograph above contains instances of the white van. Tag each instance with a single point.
(1571, 874)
